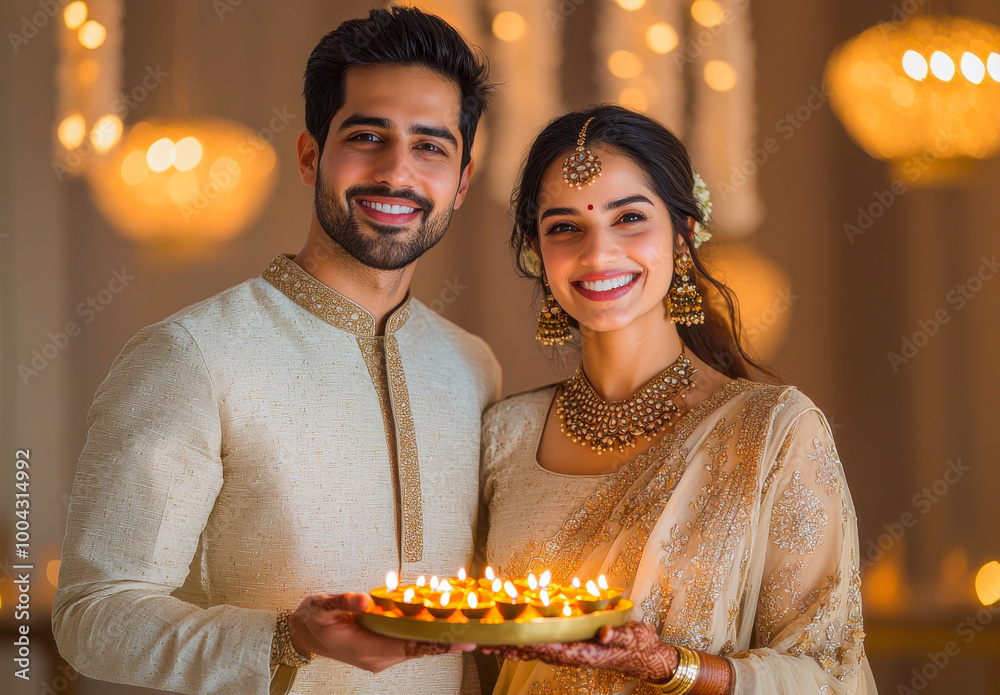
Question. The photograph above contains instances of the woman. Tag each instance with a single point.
(718, 502)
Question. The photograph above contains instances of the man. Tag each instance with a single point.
(303, 432)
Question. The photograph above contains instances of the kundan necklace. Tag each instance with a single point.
(587, 418)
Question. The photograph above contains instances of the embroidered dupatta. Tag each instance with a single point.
(734, 532)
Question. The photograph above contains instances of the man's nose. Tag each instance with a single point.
(394, 167)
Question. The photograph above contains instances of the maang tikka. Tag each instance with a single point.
(582, 166)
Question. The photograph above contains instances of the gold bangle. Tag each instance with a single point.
(685, 674)
(282, 649)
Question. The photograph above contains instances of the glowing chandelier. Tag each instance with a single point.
(927, 86)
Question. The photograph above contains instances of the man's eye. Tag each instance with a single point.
(366, 137)
(430, 147)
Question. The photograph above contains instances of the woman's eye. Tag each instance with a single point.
(560, 228)
(632, 217)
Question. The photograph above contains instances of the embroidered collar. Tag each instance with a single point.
(326, 303)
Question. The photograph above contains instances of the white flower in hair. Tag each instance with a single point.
(704, 200)
(530, 261)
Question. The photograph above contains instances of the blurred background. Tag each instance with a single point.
(148, 156)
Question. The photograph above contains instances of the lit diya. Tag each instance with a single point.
(598, 597)
(510, 603)
(474, 608)
(382, 596)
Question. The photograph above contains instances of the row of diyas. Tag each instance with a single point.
(475, 599)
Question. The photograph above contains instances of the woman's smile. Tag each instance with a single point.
(604, 287)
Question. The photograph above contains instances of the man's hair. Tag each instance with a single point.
(402, 36)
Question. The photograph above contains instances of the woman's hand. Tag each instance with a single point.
(324, 625)
(634, 649)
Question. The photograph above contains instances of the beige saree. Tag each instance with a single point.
(735, 534)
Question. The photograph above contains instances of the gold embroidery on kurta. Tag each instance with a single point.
(385, 367)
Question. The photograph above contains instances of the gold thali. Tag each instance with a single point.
(524, 630)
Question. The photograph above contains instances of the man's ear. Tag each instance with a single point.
(463, 184)
(307, 150)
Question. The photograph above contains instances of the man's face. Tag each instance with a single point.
(389, 178)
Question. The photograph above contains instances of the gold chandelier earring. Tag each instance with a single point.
(553, 322)
(683, 300)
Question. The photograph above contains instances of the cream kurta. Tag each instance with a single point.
(735, 534)
(242, 455)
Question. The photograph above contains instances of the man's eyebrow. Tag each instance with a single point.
(552, 212)
(435, 132)
(361, 119)
(628, 200)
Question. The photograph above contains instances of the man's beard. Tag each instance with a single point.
(393, 247)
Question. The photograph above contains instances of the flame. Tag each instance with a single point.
(473, 600)
(509, 588)
(445, 598)
(576, 583)
(496, 585)
(461, 574)
(602, 582)
(567, 611)
(408, 595)
(421, 580)
(545, 578)
(444, 586)
(545, 597)
(434, 583)
(532, 582)
(592, 588)
(489, 573)
(391, 581)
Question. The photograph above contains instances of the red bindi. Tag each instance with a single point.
(590, 207)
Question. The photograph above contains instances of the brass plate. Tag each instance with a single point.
(520, 631)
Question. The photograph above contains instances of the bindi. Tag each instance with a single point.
(590, 207)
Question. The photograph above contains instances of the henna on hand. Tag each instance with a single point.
(634, 649)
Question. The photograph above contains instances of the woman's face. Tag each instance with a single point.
(607, 248)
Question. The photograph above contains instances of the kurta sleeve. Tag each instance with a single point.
(145, 486)
(808, 632)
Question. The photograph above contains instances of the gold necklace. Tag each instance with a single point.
(587, 418)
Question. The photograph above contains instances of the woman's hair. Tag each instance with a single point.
(402, 36)
(664, 159)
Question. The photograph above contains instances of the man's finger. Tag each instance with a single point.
(341, 602)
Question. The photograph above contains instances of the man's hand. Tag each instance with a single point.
(634, 649)
(323, 624)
